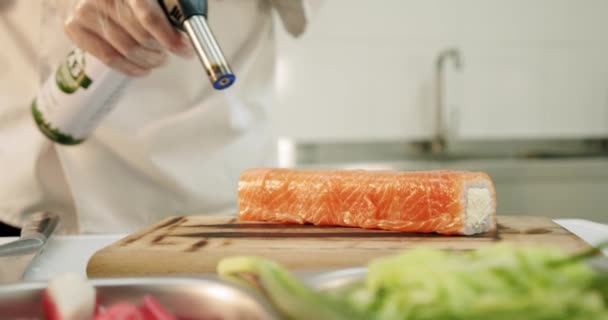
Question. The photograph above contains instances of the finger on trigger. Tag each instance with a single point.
(129, 48)
(129, 68)
(152, 18)
(123, 15)
(101, 49)
(120, 39)
(146, 58)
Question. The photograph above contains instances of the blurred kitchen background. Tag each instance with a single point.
(516, 88)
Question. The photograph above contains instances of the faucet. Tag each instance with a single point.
(439, 141)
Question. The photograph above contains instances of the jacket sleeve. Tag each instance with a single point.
(296, 14)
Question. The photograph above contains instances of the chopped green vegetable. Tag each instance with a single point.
(292, 298)
(495, 282)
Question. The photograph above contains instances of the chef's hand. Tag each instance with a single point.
(131, 36)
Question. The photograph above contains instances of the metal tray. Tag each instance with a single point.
(186, 298)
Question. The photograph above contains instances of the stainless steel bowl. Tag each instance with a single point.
(185, 297)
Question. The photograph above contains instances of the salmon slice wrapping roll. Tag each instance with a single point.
(445, 202)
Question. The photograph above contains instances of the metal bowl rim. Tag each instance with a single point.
(128, 281)
(160, 282)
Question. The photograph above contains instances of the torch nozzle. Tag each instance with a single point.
(209, 52)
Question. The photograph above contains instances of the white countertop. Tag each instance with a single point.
(71, 253)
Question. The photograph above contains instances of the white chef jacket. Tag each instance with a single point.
(172, 146)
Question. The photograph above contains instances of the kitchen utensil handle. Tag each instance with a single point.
(34, 234)
(47, 224)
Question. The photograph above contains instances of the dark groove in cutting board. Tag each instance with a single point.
(369, 234)
(170, 224)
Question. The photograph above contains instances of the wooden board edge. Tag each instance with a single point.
(100, 253)
(100, 270)
(95, 262)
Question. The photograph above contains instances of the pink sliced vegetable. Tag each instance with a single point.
(153, 310)
(70, 297)
(120, 311)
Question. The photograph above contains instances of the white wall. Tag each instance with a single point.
(365, 70)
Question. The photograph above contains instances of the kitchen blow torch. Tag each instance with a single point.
(191, 16)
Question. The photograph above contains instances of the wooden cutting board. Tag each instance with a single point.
(195, 244)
